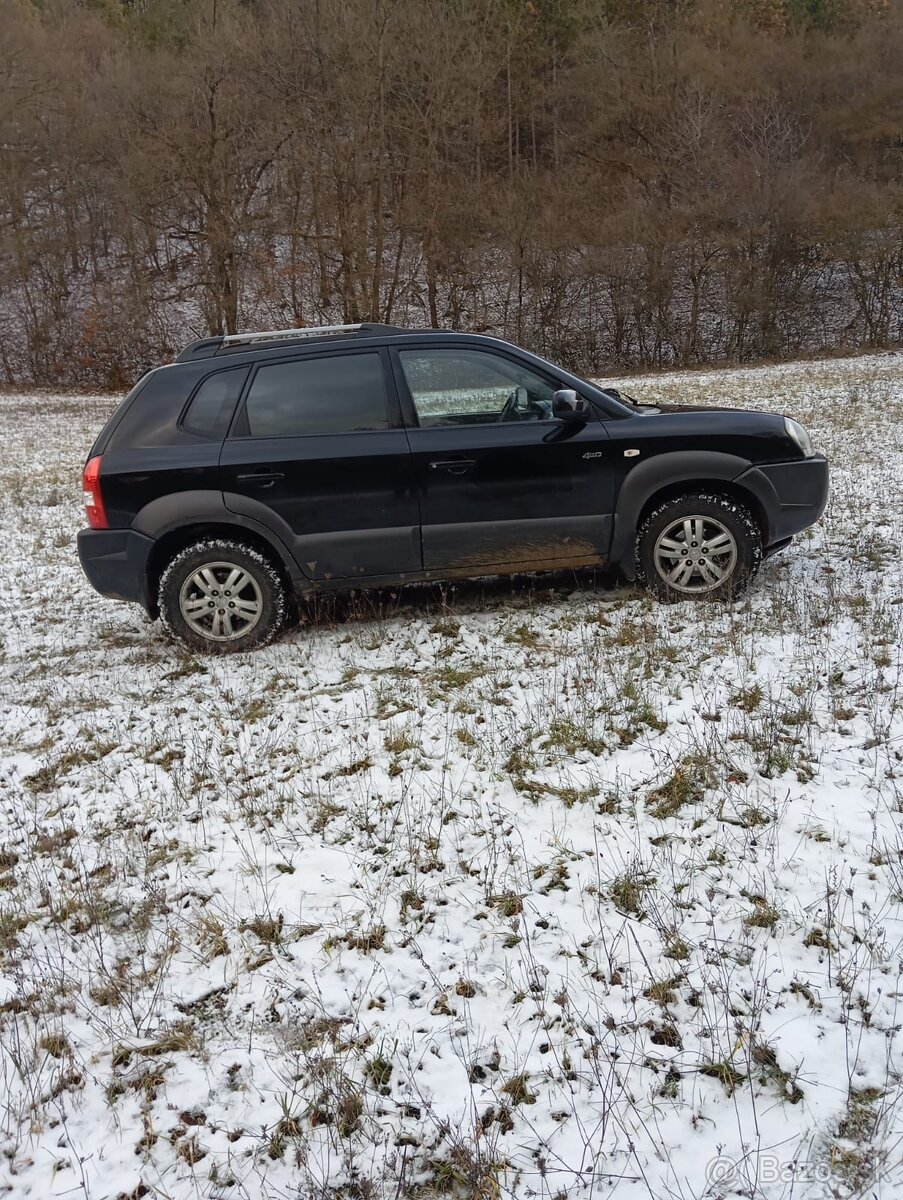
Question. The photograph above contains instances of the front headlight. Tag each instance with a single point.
(798, 434)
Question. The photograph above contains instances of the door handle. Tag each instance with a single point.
(264, 479)
(454, 466)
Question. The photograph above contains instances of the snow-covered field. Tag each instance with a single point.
(513, 889)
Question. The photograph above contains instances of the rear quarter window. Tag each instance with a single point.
(211, 407)
(152, 417)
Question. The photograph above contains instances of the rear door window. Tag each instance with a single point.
(341, 393)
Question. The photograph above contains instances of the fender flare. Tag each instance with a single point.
(683, 466)
(181, 510)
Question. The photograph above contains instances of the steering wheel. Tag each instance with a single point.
(515, 406)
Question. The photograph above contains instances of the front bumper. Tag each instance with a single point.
(793, 494)
(115, 562)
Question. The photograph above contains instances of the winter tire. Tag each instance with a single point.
(222, 597)
(698, 547)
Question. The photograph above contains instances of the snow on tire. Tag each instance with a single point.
(222, 596)
(702, 546)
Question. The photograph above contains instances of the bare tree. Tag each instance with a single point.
(611, 183)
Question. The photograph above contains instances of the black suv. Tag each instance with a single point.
(260, 466)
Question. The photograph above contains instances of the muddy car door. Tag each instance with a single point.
(501, 481)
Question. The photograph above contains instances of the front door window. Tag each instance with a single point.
(474, 387)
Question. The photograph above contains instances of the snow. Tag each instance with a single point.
(527, 888)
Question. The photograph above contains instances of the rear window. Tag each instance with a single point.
(343, 393)
(212, 405)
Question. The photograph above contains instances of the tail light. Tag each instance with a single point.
(94, 509)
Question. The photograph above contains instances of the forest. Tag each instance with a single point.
(613, 184)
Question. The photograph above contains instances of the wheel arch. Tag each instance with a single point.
(177, 519)
(668, 476)
(179, 538)
(720, 487)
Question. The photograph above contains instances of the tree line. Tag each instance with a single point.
(613, 183)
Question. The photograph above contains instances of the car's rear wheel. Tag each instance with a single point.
(698, 547)
(222, 596)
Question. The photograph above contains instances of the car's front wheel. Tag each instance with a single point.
(222, 596)
(698, 547)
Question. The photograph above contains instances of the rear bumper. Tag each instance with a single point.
(115, 562)
(793, 494)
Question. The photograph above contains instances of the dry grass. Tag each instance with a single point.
(453, 891)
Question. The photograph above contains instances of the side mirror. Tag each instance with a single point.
(568, 406)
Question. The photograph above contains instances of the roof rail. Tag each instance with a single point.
(235, 343)
(306, 331)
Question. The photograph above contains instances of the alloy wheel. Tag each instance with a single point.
(695, 554)
(221, 601)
